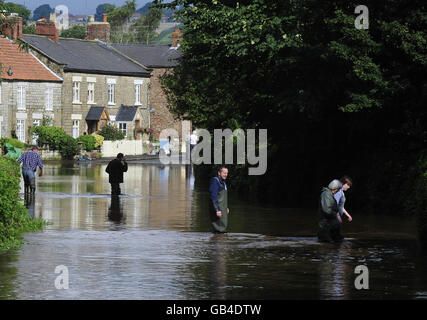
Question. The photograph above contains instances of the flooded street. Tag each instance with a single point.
(155, 242)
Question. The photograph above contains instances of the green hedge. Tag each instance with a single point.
(88, 141)
(14, 142)
(57, 140)
(111, 133)
(14, 217)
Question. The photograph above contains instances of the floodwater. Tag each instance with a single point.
(155, 242)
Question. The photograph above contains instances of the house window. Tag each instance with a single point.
(49, 99)
(75, 129)
(36, 123)
(111, 87)
(20, 130)
(21, 97)
(91, 92)
(123, 128)
(76, 92)
(137, 94)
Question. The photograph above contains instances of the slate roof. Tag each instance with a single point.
(25, 66)
(151, 56)
(126, 113)
(94, 113)
(86, 56)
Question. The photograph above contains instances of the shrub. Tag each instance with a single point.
(111, 133)
(57, 140)
(14, 217)
(99, 140)
(88, 142)
(14, 142)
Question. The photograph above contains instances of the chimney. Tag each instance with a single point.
(14, 30)
(99, 30)
(47, 28)
(176, 38)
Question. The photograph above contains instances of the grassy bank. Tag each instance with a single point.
(14, 217)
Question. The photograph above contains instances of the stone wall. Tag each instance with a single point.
(161, 118)
(35, 106)
(128, 148)
(124, 94)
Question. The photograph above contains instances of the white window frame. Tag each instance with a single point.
(76, 92)
(76, 127)
(111, 93)
(22, 131)
(138, 88)
(91, 92)
(49, 98)
(121, 124)
(21, 97)
(36, 123)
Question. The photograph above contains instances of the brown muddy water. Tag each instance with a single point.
(155, 242)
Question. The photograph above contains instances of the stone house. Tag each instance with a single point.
(29, 90)
(95, 77)
(160, 59)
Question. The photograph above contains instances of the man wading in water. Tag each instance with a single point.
(115, 170)
(329, 219)
(219, 206)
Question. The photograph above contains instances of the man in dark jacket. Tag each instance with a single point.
(115, 170)
(219, 201)
(329, 219)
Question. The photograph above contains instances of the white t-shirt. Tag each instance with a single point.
(193, 139)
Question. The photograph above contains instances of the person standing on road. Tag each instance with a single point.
(219, 201)
(30, 161)
(115, 170)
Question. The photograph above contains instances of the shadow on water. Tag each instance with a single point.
(162, 246)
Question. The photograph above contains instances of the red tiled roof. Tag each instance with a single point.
(24, 65)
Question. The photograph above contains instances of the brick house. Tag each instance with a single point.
(160, 59)
(29, 90)
(95, 76)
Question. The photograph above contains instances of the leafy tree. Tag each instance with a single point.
(29, 29)
(43, 10)
(335, 99)
(111, 133)
(146, 26)
(21, 10)
(103, 8)
(119, 16)
(76, 32)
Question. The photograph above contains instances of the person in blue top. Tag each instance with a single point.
(219, 201)
(30, 161)
(340, 196)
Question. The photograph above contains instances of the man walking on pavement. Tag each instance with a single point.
(30, 161)
(115, 170)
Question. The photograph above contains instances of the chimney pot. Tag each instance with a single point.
(92, 18)
(104, 17)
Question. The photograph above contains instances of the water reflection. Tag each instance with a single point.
(162, 246)
(115, 211)
(29, 202)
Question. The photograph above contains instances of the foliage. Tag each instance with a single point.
(101, 9)
(57, 140)
(145, 27)
(21, 10)
(75, 32)
(29, 29)
(14, 142)
(336, 100)
(119, 16)
(88, 142)
(98, 140)
(111, 133)
(14, 217)
(42, 11)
